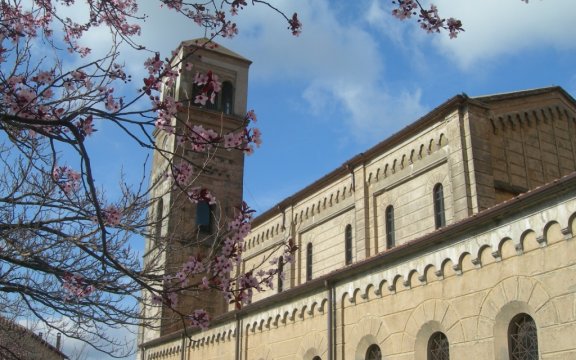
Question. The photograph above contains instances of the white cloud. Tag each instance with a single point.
(501, 27)
(339, 63)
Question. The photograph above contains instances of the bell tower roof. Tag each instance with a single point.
(210, 45)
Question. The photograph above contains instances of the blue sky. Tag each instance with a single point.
(355, 76)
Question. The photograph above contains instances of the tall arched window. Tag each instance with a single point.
(309, 262)
(373, 353)
(158, 221)
(439, 217)
(280, 274)
(203, 215)
(390, 234)
(348, 244)
(227, 98)
(438, 347)
(522, 338)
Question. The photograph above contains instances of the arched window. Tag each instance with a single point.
(390, 234)
(439, 217)
(522, 338)
(309, 262)
(227, 98)
(348, 244)
(438, 347)
(280, 274)
(316, 358)
(158, 221)
(373, 353)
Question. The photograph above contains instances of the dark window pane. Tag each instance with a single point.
(439, 217)
(227, 98)
(523, 338)
(373, 353)
(438, 347)
(159, 220)
(309, 262)
(348, 244)
(390, 233)
(203, 216)
(280, 274)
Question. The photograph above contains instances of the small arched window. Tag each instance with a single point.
(439, 216)
(316, 358)
(227, 98)
(522, 338)
(280, 274)
(438, 347)
(390, 233)
(309, 262)
(348, 244)
(373, 353)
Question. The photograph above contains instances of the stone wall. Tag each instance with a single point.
(467, 281)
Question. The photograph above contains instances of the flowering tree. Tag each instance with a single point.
(65, 253)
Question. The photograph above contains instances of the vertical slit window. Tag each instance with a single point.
(390, 233)
(438, 347)
(158, 221)
(280, 274)
(309, 262)
(439, 215)
(348, 244)
(523, 338)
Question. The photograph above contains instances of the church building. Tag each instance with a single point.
(452, 239)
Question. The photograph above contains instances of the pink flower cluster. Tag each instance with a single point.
(209, 85)
(112, 215)
(76, 287)
(166, 110)
(429, 19)
(295, 25)
(200, 319)
(35, 99)
(180, 174)
(191, 267)
(67, 179)
(405, 10)
(201, 195)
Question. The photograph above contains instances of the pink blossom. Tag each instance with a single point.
(201, 195)
(67, 179)
(199, 318)
(86, 126)
(180, 174)
(112, 215)
(295, 25)
(43, 77)
(250, 116)
(68, 85)
(406, 8)
(76, 287)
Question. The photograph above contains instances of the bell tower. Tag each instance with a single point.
(181, 228)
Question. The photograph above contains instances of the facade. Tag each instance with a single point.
(453, 238)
